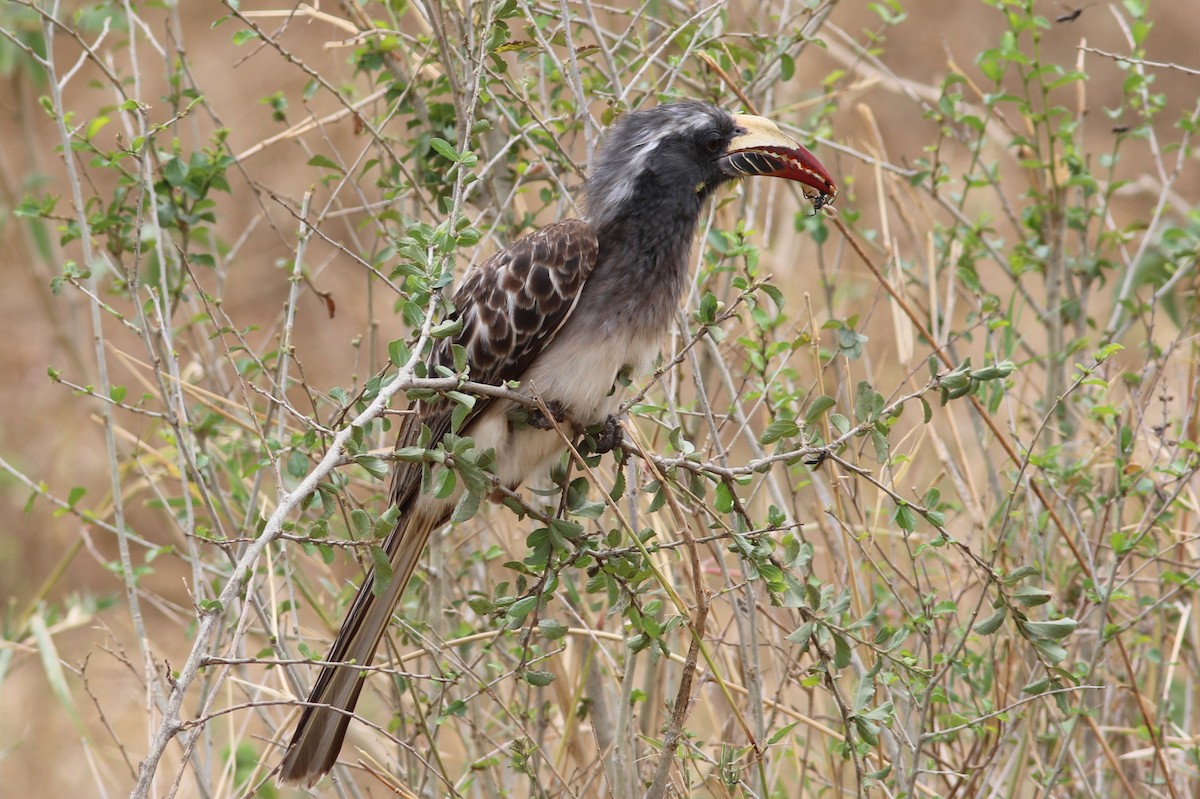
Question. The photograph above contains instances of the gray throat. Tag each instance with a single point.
(642, 269)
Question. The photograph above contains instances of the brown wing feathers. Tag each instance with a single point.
(517, 299)
(511, 306)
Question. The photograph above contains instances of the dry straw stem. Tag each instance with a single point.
(171, 724)
(1050, 508)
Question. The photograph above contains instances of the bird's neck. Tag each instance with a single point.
(642, 269)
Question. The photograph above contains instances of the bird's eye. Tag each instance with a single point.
(714, 142)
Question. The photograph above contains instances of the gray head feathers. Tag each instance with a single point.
(659, 151)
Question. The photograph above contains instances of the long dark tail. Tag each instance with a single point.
(322, 727)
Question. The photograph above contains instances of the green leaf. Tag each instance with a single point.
(993, 622)
(360, 520)
(867, 729)
(481, 605)
(469, 237)
(444, 483)
(876, 776)
(174, 171)
(52, 666)
(444, 149)
(818, 407)
(1031, 596)
(297, 464)
(1038, 686)
(376, 466)
(33, 208)
(841, 652)
(474, 477)
(449, 327)
(708, 307)
(410, 454)
(538, 678)
(467, 507)
(1050, 650)
(552, 628)
(995, 371)
(774, 293)
(802, 635)
(383, 571)
(77, 493)
(1020, 573)
(518, 610)
(782, 428)
(780, 733)
(325, 163)
(868, 403)
(723, 501)
(462, 398)
(882, 449)
(839, 423)
(398, 352)
(95, 126)
(458, 417)
(27, 508)
(787, 67)
(1050, 630)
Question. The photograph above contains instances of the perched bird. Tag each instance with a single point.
(565, 310)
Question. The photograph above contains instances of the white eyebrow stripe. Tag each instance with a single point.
(644, 150)
(615, 177)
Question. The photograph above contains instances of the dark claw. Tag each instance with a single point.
(610, 436)
(539, 420)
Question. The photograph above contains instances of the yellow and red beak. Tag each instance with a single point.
(760, 148)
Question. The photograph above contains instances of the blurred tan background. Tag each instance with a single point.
(51, 435)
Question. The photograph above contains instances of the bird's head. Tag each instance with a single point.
(688, 149)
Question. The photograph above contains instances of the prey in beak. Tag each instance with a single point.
(759, 147)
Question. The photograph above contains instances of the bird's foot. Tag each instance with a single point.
(537, 417)
(609, 437)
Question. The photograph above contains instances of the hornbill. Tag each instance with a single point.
(565, 310)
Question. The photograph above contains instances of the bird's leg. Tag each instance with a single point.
(538, 419)
(610, 435)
